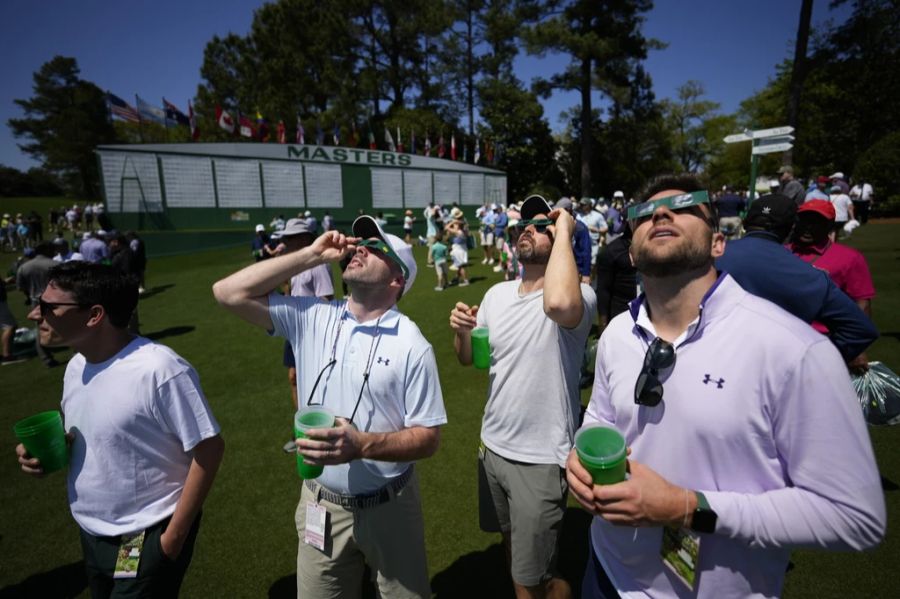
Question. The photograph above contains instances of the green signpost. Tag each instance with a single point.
(763, 141)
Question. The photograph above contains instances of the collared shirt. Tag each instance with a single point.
(846, 266)
(403, 389)
(758, 413)
(94, 250)
(762, 266)
(816, 194)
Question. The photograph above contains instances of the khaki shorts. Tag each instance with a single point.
(389, 537)
(530, 500)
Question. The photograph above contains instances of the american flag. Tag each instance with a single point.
(122, 109)
(175, 115)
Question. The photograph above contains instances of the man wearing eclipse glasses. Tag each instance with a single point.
(537, 329)
(745, 436)
(369, 364)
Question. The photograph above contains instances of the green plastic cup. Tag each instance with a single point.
(481, 348)
(44, 438)
(601, 450)
(305, 419)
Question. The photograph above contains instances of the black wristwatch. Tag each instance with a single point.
(704, 519)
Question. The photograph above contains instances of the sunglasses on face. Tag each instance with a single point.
(381, 246)
(47, 307)
(648, 390)
(540, 224)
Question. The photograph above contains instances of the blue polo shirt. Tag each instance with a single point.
(764, 267)
(729, 205)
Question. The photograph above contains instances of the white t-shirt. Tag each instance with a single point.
(861, 192)
(407, 222)
(593, 219)
(136, 418)
(315, 282)
(403, 389)
(841, 203)
(533, 392)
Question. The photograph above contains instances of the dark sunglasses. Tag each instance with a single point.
(540, 224)
(51, 306)
(648, 391)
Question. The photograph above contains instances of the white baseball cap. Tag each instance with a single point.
(400, 252)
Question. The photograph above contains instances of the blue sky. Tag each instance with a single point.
(155, 48)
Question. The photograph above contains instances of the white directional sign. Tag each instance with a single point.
(737, 137)
(769, 141)
(774, 132)
(761, 134)
(772, 148)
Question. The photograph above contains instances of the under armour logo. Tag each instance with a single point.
(385, 361)
(719, 383)
(767, 210)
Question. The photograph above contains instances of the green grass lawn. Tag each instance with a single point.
(247, 544)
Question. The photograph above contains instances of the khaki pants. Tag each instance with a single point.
(389, 537)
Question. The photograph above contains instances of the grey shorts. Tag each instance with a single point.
(7, 320)
(530, 500)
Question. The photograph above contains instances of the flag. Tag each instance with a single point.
(174, 115)
(192, 120)
(453, 146)
(412, 142)
(372, 144)
(301, 134)
(477, 150)
(320, 135)
(247, 129)
(224, 119)
(120, 108)
(282, 132)
(389, 140)
(440, 148)
(498, 154)
(465, 151)
(354, 138)
(427, 143)
(263, 125)
(336, 134)
(488, 152)
(150, 112)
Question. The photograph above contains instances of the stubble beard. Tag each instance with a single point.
(685, 258)
(529, 252)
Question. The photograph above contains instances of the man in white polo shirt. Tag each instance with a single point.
(370, 364)
(145, 446)
(746, 438)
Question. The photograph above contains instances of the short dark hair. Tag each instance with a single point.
(94, 284)
(686, 182)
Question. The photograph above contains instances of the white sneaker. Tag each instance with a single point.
(438, 288)
(464, 283)
(498, 268)
(491, 261)
(484, 261)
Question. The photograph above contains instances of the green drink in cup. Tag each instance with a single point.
(481, 348)
(44, 438)
(601, 450)
(308, 418)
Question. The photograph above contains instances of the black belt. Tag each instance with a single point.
(358, 502)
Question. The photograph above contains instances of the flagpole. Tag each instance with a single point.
(140, 118)
(165, 120)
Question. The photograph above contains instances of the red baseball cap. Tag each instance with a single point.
(823, 179)
(822, 207)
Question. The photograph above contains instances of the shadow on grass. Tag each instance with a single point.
(286, 587)
(894, 334)
(156, 290)
(66, 581)
(888, 485)
(485, 574)
(169, 332)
